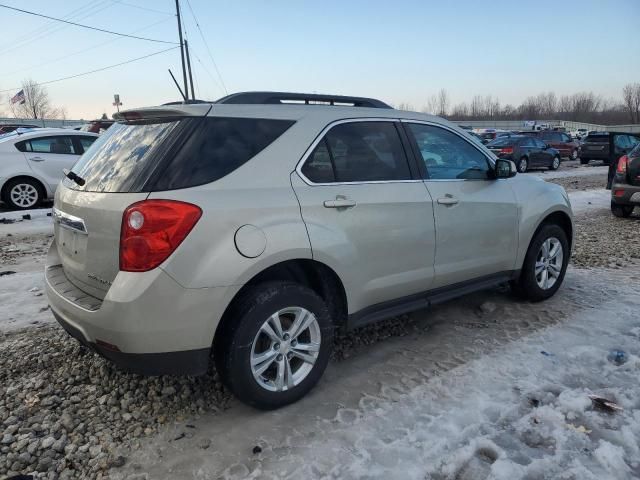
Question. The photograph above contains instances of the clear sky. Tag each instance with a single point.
(398, 51)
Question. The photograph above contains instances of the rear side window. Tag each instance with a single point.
(358, 152)
(217, 147)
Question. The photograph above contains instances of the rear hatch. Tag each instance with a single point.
(596, 146)
(115, 170)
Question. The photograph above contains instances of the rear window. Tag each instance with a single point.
(118, 158)
(597, 139)
(501, 142)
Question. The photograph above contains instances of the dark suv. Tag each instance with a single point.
(625, 187)
(606, 146)
(526, 151)
(561, 141)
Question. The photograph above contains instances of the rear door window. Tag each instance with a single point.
(59, 145)
(358, 152)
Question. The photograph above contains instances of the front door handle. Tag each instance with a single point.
(447, 200)
(339, 202)
(36, 159)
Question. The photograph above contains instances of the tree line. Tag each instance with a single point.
(584, 107)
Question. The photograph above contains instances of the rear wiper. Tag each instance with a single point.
(72, 176)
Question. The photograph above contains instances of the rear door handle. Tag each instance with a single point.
(339, 203)
(447, 200)
(36, 159)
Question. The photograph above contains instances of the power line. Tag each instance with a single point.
(94, 71)
(208, 49)
(78, 52)
(85, 26)
(143, 8)
(51, 27)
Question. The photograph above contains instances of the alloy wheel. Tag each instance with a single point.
(549, 263)
(522, 165)
(285, 349)
(556, 163)
(24, 195)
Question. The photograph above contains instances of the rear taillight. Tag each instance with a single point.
(152, 230)
(623, 163)
(506, 150)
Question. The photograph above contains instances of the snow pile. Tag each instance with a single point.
(515, 414)
(22, 300)
(582, 201)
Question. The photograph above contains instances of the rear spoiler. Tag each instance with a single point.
(164, 112)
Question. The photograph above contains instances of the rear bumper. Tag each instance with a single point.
(147, 323)
(188, 362)
(627, 194)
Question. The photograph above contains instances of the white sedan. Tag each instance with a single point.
(31, 163)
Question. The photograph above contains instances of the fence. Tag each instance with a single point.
(519, 125)
(43, 122)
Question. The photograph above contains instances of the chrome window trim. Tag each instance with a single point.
(70, 222)
(491, 160)
(321, 136)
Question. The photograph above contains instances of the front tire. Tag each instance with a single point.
(621, 211)
(555, 163)
(22, 194)
(276, 345)
(544, 265)
(523, 164)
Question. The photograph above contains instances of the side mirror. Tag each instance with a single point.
(505, 168)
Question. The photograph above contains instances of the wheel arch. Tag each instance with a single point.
(315, 275)
(43, 186)
(556, 217)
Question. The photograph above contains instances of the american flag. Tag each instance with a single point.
(18, 97)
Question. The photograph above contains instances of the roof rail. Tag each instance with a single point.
(280, 98)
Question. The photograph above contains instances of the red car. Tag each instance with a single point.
(561, 141)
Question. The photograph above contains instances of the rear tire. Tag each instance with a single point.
(574, 154)
(621, 211)
(555, 163)
(523, 164)
(262, 364)
(23, 193)
(542, 273)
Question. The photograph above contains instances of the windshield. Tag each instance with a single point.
(117, 158)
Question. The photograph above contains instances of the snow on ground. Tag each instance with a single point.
(590, 199)
(449, 405)
(22, 300)
(574, 169)
(39, 222)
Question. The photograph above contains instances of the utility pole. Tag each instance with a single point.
(184, 70)
(186, 48)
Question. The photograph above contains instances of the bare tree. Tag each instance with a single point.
(36, 102)
(631, 99)
(431, 106)
(442, 102)
(405, 106)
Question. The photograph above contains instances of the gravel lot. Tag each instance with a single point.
(67, 412)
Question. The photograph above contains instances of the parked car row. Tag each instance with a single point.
(32, 163)
(625, 183)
